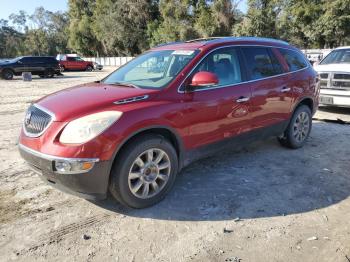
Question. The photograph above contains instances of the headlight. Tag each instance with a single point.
(88, 127)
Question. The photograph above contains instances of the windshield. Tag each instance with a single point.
(13, 60)
(153, 69)
(341, 56)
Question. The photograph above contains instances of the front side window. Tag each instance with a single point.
(295, 60)
(153, 70)
(224, 63)
(259, 63)
(341, 56)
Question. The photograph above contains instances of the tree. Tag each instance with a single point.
(260, 19)
(176, 23)
(81, 36)
(334, 24)
(121, 27)
(11, 41)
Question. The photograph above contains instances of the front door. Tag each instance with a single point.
(222, 111)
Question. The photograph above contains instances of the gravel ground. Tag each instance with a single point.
(262, 203)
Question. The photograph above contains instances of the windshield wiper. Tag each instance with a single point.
(124, 84)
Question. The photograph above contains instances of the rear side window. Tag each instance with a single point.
(295, 60)
(223, 62)
(50, 60)
(261, 63)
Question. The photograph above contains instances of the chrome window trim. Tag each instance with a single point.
(53, 158)
(244, 82)
(53, 118)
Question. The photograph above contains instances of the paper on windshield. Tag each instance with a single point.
(183, 52)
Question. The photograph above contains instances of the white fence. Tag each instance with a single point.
(109, 61)
(312, 54)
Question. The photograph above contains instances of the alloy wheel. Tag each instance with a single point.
(149, 173)
(301, 127)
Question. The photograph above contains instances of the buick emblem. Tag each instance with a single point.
(27, 118)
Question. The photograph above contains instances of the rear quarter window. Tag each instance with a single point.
(295, 60)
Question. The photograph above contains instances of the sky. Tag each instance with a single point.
(8, 7)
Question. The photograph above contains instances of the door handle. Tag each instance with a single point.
(285, 89)
(242, 99)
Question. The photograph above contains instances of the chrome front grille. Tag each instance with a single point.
(36, 121)
(338, 81)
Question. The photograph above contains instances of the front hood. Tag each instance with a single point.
(333, 68)
(3, 63)
(81, 100)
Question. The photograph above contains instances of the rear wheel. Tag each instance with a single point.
(298, 129)
(144, 172)
(89, 68)
(48, 73)
(7, 74)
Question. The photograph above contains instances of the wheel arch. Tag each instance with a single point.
(165, 131)
(308, 101)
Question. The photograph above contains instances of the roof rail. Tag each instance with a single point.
(204, 39)
(170, 43)
(251, 38)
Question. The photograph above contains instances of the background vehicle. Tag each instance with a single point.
(133, 131)
(334, 72)
(73, 62)
(97, 66)
(44, 66)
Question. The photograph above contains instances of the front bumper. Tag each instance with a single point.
(331, 97)
(91, 184)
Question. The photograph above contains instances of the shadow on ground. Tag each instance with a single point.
(262, 180)
(336, 110)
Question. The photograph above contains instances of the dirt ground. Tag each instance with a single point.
(262, 203)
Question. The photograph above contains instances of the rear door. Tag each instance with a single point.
(271, 95)
(222, 111)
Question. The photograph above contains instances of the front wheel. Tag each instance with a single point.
(89, 68)
(7, 74)
(144, 172)
(298, 129)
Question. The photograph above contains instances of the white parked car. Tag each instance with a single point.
(334, 72)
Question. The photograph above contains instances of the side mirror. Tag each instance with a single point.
(19, 62)
(204, 78)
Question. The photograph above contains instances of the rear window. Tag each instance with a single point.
(261, 63)
(295, 60)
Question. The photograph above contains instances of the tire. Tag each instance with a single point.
(7, 74)
(50, 73)
(298, 129)
(129, 182)
(89, 68)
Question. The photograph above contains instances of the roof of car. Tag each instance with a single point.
(343, 47)
(201, 42)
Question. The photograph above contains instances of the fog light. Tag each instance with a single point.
(63, 166)
(73, 167)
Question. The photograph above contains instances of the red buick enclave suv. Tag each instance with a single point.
(132, 132)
